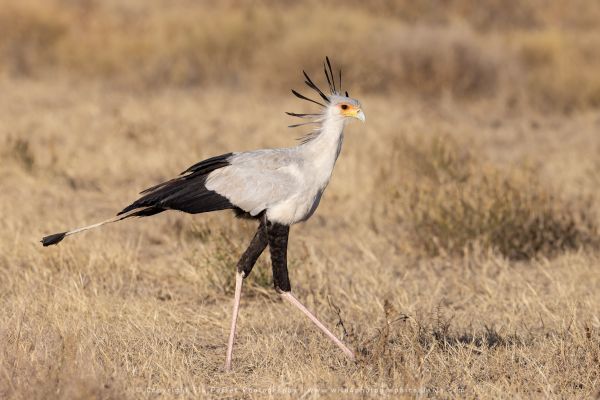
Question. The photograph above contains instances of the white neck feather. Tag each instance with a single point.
(324, 148)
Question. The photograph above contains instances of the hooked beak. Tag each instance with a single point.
(360, 115)
(354, 112)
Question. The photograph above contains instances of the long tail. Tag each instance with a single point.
(58, 237)
(187, 193)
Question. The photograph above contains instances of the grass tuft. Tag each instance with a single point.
(452, 201)
(19, 151)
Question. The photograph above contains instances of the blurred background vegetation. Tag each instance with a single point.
(539, 53)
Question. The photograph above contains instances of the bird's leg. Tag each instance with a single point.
(278, 239)
(294, 301)
(239, 277)
(244, 267)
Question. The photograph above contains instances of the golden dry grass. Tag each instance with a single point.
(456, 249)
(537, 52)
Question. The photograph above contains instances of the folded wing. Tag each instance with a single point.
(255, 181)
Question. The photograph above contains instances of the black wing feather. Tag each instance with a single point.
(210, 164)
(187, 193)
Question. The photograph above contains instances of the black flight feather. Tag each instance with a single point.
(210, 163)
(204, 166)
(145, 212)
(187, 193)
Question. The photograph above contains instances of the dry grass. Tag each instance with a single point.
(535, 53)
(455, 249)
(451, 201)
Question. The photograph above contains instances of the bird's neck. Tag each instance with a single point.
(324, 149)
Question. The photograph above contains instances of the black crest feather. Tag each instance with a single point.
(331, 89)
(306, 98)
(312, 85)
(330, 73)
(300, 115)
(335, 90)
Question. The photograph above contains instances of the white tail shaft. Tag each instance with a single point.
(58, 237)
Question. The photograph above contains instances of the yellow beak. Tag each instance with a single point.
(356, 113)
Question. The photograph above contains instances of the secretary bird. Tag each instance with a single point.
(277, 187)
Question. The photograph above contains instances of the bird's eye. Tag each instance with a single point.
(344, 106)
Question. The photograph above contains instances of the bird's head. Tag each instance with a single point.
(346, 107)
(336, 104)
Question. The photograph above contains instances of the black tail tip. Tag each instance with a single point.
(53, 239)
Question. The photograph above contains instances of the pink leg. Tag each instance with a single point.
(292, 299)
(239, 278)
